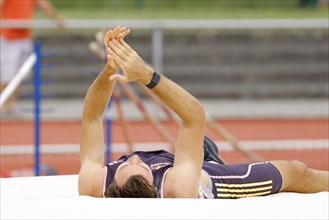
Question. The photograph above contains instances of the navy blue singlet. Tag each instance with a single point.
(226, 181)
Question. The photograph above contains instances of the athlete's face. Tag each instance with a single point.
(133, 166)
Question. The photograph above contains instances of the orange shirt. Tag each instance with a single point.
(18, 10)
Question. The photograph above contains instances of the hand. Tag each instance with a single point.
(117, 33)
(131, 63)
(60, 21)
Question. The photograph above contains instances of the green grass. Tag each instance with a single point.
(192, 13)
(183, 13)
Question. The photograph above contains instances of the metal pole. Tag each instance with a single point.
(108, 120)
(37, 98)
(157, 49)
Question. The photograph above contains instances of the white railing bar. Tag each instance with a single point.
(19, 77)
(294, 144)
(173, 24)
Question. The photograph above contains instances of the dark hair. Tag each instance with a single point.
(135, 187)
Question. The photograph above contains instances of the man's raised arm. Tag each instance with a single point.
(92, 147)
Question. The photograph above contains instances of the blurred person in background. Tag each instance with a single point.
(16, 43)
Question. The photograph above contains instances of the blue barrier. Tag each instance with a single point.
(37, 96)
(108, 120)
(37, 100)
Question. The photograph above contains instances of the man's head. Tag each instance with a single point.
(132, 179)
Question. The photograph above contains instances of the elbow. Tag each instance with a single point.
(87, 117)
(202, 113)
(90, 113)
(199, 114)
(91, 118)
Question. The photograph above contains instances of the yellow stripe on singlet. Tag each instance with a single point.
(244, 190)
(243, 195)
(243, 185)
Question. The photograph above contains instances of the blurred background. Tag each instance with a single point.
(259, 79)
(210, 62)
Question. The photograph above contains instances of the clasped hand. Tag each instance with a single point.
(119, 53)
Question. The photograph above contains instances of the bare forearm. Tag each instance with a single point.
(186, 106)
(48, 9)
(98, 95)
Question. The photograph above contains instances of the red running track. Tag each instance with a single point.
(68, 132)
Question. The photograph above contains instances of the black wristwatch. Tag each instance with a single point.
(154, 81)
